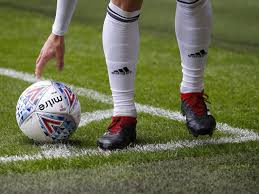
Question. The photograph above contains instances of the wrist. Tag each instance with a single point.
(56, 36)
(57, 33)
(56, 39)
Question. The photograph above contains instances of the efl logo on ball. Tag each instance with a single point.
(48, 111)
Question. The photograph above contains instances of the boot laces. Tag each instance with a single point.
(114, 127)
(120, 122)
(198, 103)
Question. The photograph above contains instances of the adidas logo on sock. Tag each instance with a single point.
(123, 71)
(200, 54)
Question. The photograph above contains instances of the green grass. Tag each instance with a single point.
(147, 177)
(231, 81)
(234, 28)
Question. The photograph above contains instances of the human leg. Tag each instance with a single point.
(193, 24)
(121, 46)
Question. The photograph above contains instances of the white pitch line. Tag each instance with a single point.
(88, 117)
(236, 131)
(108, 100)
(190, 143)
(18, 75)
(16, 158)
(66, 151)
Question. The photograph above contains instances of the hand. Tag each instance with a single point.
(54, 47)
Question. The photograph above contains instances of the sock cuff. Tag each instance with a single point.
(123, 16)
(190, 3)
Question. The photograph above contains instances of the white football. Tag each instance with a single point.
(48, 111)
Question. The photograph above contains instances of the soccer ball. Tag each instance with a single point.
(48, 111)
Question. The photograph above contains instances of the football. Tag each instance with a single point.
(48, 111)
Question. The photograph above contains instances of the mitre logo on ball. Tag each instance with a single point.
(48, 111)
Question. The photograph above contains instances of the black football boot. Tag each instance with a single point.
(199, 121)
(120, 133)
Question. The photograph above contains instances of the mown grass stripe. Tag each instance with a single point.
(66, 151)
(107, 99)
(141, 108)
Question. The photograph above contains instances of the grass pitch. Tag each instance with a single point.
(231, 81)
(147, 177)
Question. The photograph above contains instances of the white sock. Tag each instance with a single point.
(121, 46)
(193, 23)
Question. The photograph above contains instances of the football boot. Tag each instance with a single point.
(199, 121)
(120, 133)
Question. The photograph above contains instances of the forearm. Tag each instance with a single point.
(64, 12)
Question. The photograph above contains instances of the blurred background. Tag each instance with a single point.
(236, 22)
